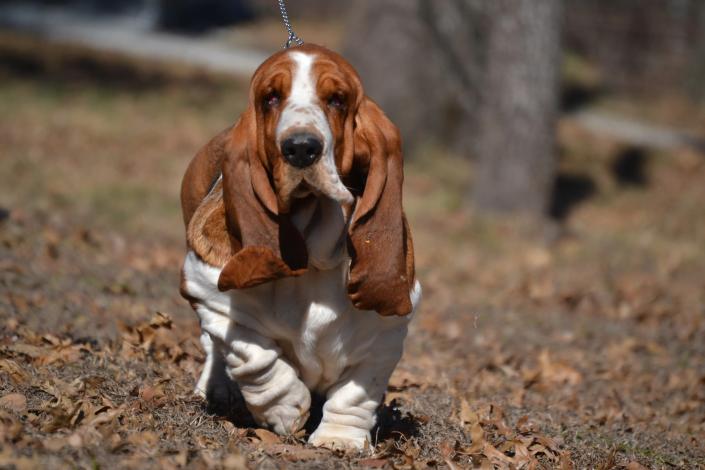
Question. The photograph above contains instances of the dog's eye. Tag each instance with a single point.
(336, 100)
(272, 99)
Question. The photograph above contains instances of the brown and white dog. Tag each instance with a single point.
(300, 263)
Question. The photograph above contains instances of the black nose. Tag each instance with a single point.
(302, 150)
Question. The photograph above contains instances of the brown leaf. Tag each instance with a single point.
(447, 449)
(548, 443)
(477, 434)
(149, 393)
(104, 416)
(146, 439)
(14, 401)
(160, 320)
(10, 428)
(372, 463)
(402, 379)
(29, 350)
(495, 456)
(392, 396)
(16, 373)
(565, 461)
(497, 420)
(75, 440)
(294, 453)
(235, 462)
(635, 466)
(54, 444)
(557, 372)
(62, 354)
(267, 437)
(467, 414)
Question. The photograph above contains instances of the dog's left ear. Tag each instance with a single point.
(265, 243)
(379, 240)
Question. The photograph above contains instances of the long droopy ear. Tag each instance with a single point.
(379, 242)
(202, 174)
(266, 245)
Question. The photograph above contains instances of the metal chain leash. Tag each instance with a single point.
(293, 38)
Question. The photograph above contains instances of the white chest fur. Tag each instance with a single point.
(309, 318)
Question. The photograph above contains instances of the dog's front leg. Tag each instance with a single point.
(214, 384)
(350, 411)
(273, 392)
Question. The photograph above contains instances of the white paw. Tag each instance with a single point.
(287, 414)
(337, 437)
(285, 420)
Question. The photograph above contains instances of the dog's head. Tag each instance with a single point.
(310, 131)
(303, 100)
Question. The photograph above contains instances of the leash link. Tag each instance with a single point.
(293, 38)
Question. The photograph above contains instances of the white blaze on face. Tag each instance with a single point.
(303, 113)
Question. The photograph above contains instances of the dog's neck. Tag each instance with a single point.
(323, 225)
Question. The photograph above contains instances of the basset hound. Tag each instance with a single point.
(300, 263)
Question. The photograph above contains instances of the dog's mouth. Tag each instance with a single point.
(321, 179)
(338, 193)
(304, 190)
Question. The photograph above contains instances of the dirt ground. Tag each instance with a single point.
(577, 345)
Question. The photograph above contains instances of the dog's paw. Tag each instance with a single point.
(337, 437)
(288, 413)
(286, 420)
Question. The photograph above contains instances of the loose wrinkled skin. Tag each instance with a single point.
(303, 278)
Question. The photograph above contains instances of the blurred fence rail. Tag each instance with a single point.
(127, 34)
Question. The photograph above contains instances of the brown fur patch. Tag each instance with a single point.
(207, 232)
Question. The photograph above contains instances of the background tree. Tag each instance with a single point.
(421, 60)
(647, 47)
(516, 138)
(479, 76)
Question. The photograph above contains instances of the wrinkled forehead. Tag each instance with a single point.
(303, 71)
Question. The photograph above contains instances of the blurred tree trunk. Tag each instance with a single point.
(479, 77)
(642, 47)
(419, 60)
(516, 138)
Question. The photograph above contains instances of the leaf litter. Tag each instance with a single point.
(585, 352)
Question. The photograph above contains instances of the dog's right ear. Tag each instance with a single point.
(202, 174)
(266, 245)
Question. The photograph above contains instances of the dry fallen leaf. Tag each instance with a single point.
(372, 463)
(29, 350)
(467, 414)
(146, 439)
(54, 444)
(10, 428)
(635, 466)
(557, 372)
(294, 453)
(403, 378)
(267, 437)
(235, 462)
(149, 393)
(14, 401)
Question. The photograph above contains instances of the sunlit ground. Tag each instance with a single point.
(578, 340)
